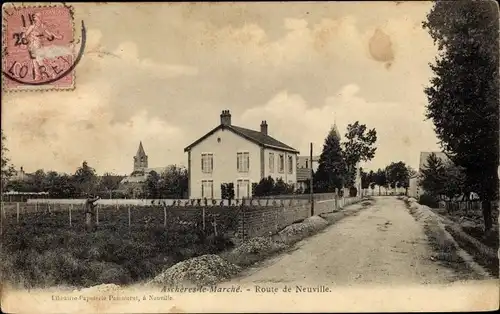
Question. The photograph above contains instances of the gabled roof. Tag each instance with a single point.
(251, 135)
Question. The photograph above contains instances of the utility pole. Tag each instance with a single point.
(311, 180)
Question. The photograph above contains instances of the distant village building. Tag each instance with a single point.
(20, 175)
(304, 165)
(134, 183)
(232, 154)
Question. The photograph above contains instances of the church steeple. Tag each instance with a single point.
(140, 150)
(140, 159)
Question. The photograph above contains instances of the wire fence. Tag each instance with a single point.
(207, 217)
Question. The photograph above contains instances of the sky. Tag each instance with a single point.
(162, 73)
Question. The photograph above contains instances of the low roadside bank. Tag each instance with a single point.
(454, 247)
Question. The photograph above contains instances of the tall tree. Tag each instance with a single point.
(38, 181)
(455, 181)
(381, 179)
(464, 93)
(433, 178)
(109, 182)
(7, 168)
(85, 179)
(331, 166)
(358, 147)
(398, 174)
(365, 179)
(174, 182)
(152, 186)
(371, 180)
(58, 185)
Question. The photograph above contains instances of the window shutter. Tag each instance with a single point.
(248, 161)
(212, 189)
(202, 169)
(202, 188)
(211, 163)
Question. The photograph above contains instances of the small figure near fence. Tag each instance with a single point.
(90, 207)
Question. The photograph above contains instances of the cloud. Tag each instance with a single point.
(292, 120)
(167, 85)
(65, 128)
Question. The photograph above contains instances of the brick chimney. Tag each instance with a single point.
(225, 117)
(263, 127)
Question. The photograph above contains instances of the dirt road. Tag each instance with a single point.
(382, 244)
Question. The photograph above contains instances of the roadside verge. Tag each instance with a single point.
(452, 245)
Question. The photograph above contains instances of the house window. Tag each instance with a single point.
(207, 163)
(290, 164)
(271, 162)
(281, 166)
(207, 189)
(242, 189)
(243, 162)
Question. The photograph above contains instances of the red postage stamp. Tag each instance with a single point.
(38, 48)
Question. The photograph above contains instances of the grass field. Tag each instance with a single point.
(43, 250)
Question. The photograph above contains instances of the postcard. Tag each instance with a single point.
(250, 157)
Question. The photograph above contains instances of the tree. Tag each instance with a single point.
(331, 166)
(380, 179)
(38, 181)
(265, 187)
(463, 95)
(152, 186)
(398, 175)
(227, 191)
(58, 186)
(281, 187)
(109, 182)
(85, 179)
(358, 147)
(7, 168)
(455, 181)
(372, 177)
(174, 182)
(365, 180)
(433, 178)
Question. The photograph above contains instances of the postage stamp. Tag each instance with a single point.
(38, 48)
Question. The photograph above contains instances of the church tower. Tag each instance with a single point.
(140, 159)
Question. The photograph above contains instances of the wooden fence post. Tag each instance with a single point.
(164, 216)
(1, 217)
(215, 227)
(17, 211)
(36, 207)
(97, 214)
(128, 216)
(203, 217)
(70, 208)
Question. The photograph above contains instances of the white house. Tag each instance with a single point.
(232, 154)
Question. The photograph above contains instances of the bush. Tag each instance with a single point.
(227, 191)
(429, 200)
